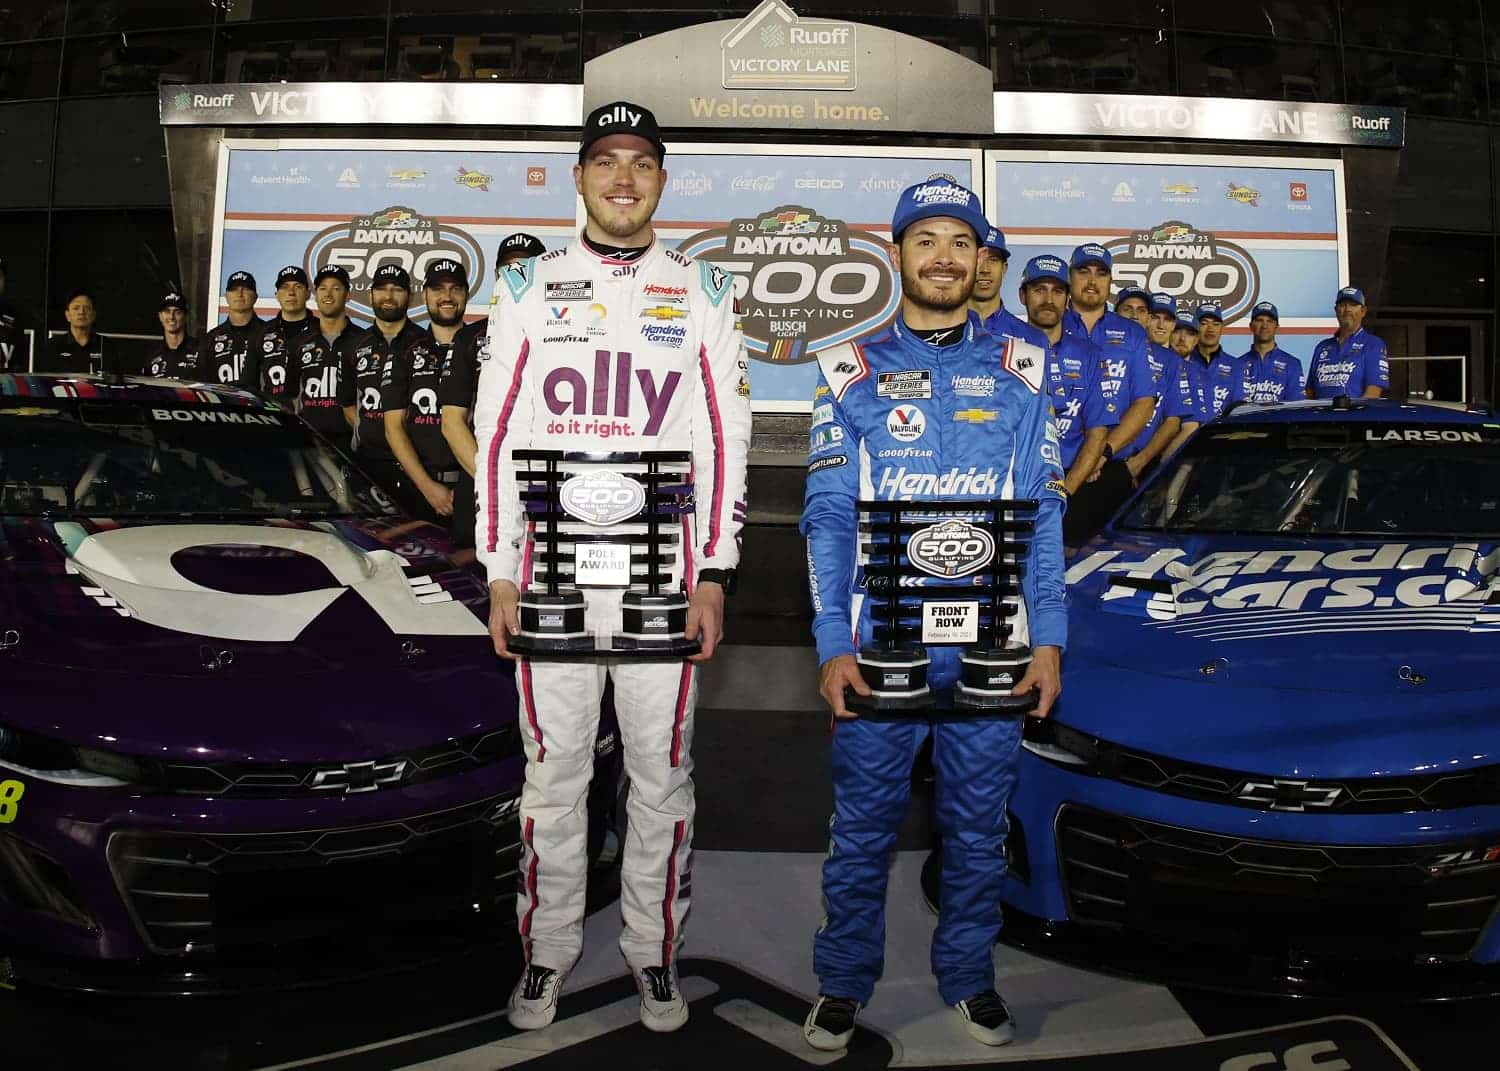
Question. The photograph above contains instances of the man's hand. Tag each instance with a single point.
(1045, 676)
(440, 498)
(1135, 462)
(505, 621)
(838, 673)
(705, 619)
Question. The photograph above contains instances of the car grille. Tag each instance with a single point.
(252, 895)
(279, 780)
(1263, 896)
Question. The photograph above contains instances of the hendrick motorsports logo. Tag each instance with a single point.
(804, 281)
(774, 49)
(1191, 265)
(394, 235)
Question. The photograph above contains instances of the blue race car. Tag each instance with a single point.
(1276, 763)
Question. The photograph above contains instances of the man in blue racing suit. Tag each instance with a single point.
(933, 408)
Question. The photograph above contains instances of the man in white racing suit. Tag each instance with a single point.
(614, 343)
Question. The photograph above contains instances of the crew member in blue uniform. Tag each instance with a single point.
(1127, 378)
(988, 301)
(1134, 304)
(1171, 389)
(1353, 362)
(1271, 374)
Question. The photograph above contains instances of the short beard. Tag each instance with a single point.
(390, 316)
(909, 287)
(618, 228)
(439, 320)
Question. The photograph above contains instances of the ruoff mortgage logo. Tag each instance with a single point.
(393, 235)
(1191, 265)
(774, 49)
(804, 281)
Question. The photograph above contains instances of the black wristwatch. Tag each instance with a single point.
(1109, 452)
(725, 578)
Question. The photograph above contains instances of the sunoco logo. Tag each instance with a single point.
(601, 497)
(394, 235)
(951, 549)
(804, 281)
(1192, 265)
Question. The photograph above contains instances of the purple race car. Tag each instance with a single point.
(252, 730)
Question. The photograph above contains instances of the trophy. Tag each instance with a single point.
(603, 521)
(943, 573)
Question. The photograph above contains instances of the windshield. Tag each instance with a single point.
(1320, 478)
(82, 457)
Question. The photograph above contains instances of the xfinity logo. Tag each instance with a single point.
(1296, 796)
(355, 777)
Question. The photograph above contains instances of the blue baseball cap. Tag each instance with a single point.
(1209, 310)
(939, 197)
(1045, 266)
(1159, 302)
(1187, 321)
(1265, 308)
(1128, 292)
(1350, 293)
(995, 239)
(1092, 253)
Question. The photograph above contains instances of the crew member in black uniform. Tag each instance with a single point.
(458, 384)
(268, 364)
(392, 334)
(13, 352)
(225, 349)
(176, 355)
(80, 348)
(325, 360)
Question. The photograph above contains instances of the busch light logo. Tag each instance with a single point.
(950, 549)
(395, 235)
(1193, 266)
(804, 281)
(601, 498)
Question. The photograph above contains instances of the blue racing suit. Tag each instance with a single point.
(976, 426)
(1348, 369)
(1126, 373)
(1003, 324)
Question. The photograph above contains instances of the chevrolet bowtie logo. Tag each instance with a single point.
(1281, 795)
(359, 776)
(664, 312)
(975, 416)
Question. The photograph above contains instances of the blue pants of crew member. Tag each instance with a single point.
(975, 761)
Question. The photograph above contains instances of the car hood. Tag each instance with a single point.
(1318, 657)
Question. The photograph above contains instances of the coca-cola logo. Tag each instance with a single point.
(1193, 266)
(394, 235)
(950, 549)
(753, 183)
(601, 498)
(804, 281)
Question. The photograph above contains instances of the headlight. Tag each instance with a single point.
(1055, 742)
(51, 760)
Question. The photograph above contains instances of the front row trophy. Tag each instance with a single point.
(943, 573)
(604, 521)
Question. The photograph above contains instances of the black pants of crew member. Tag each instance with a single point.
(1091, 507)
(393, 480)
(463, 519)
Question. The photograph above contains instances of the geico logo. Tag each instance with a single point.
(819, 184)
(369, 400)
(787, 282)
(425, 401)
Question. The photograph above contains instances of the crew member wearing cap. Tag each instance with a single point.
(614, 343)
(1353, 362)
(1134, 304)
(226, 347)
(935, 402)
(176, 355)
(13, 352)
(987, 300)
(517, 246)
(324, 360)
(375, 354)
(1223, 372)
(1197, 397)
(80, 348)
(270, 363)
(409, 396)
(1271, 374)
(1171, 387)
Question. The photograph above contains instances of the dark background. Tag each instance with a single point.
(83, 179)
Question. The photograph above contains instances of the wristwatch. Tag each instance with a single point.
(725, 578)
(1109, 452)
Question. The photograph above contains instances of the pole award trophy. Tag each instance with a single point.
(605, 522)
(943, 573)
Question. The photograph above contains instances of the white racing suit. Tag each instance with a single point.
(590, 353)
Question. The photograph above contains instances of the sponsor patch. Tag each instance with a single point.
(904, 386)
(664, 335)
(976, 416)
(570, 290)
(906, 423)
(822, 414)
(974, 386)
(827, 463)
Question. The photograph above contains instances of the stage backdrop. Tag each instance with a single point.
(803, 228)
(1236, 230)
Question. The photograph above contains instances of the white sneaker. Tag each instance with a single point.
(662, 1007)
(830, 1024)
(533, 1003)
(987, 1018)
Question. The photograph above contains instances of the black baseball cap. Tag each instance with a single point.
(447, 269)
(332, 271)
(172, 300)
(387, 274)
(292, 273)
(519, 244)
(240, 279)
(621, 117)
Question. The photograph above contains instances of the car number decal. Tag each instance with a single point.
(10, 800)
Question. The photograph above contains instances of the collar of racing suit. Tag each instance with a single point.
(914, 342)
(605, 261)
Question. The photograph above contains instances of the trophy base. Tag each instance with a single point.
(551, 624)
(989, 674)
(897, 678)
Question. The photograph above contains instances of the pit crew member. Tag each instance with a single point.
(226, 347)
(1271, 374)
(80, 348)
(271, 364)
(1134, 304)
(387, 338)
(324, 359)
(176, 355)
(1353, 361)
(987, 300)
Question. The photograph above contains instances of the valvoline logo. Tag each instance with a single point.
(906, 423)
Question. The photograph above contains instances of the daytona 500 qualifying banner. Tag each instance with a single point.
(1236, 230)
